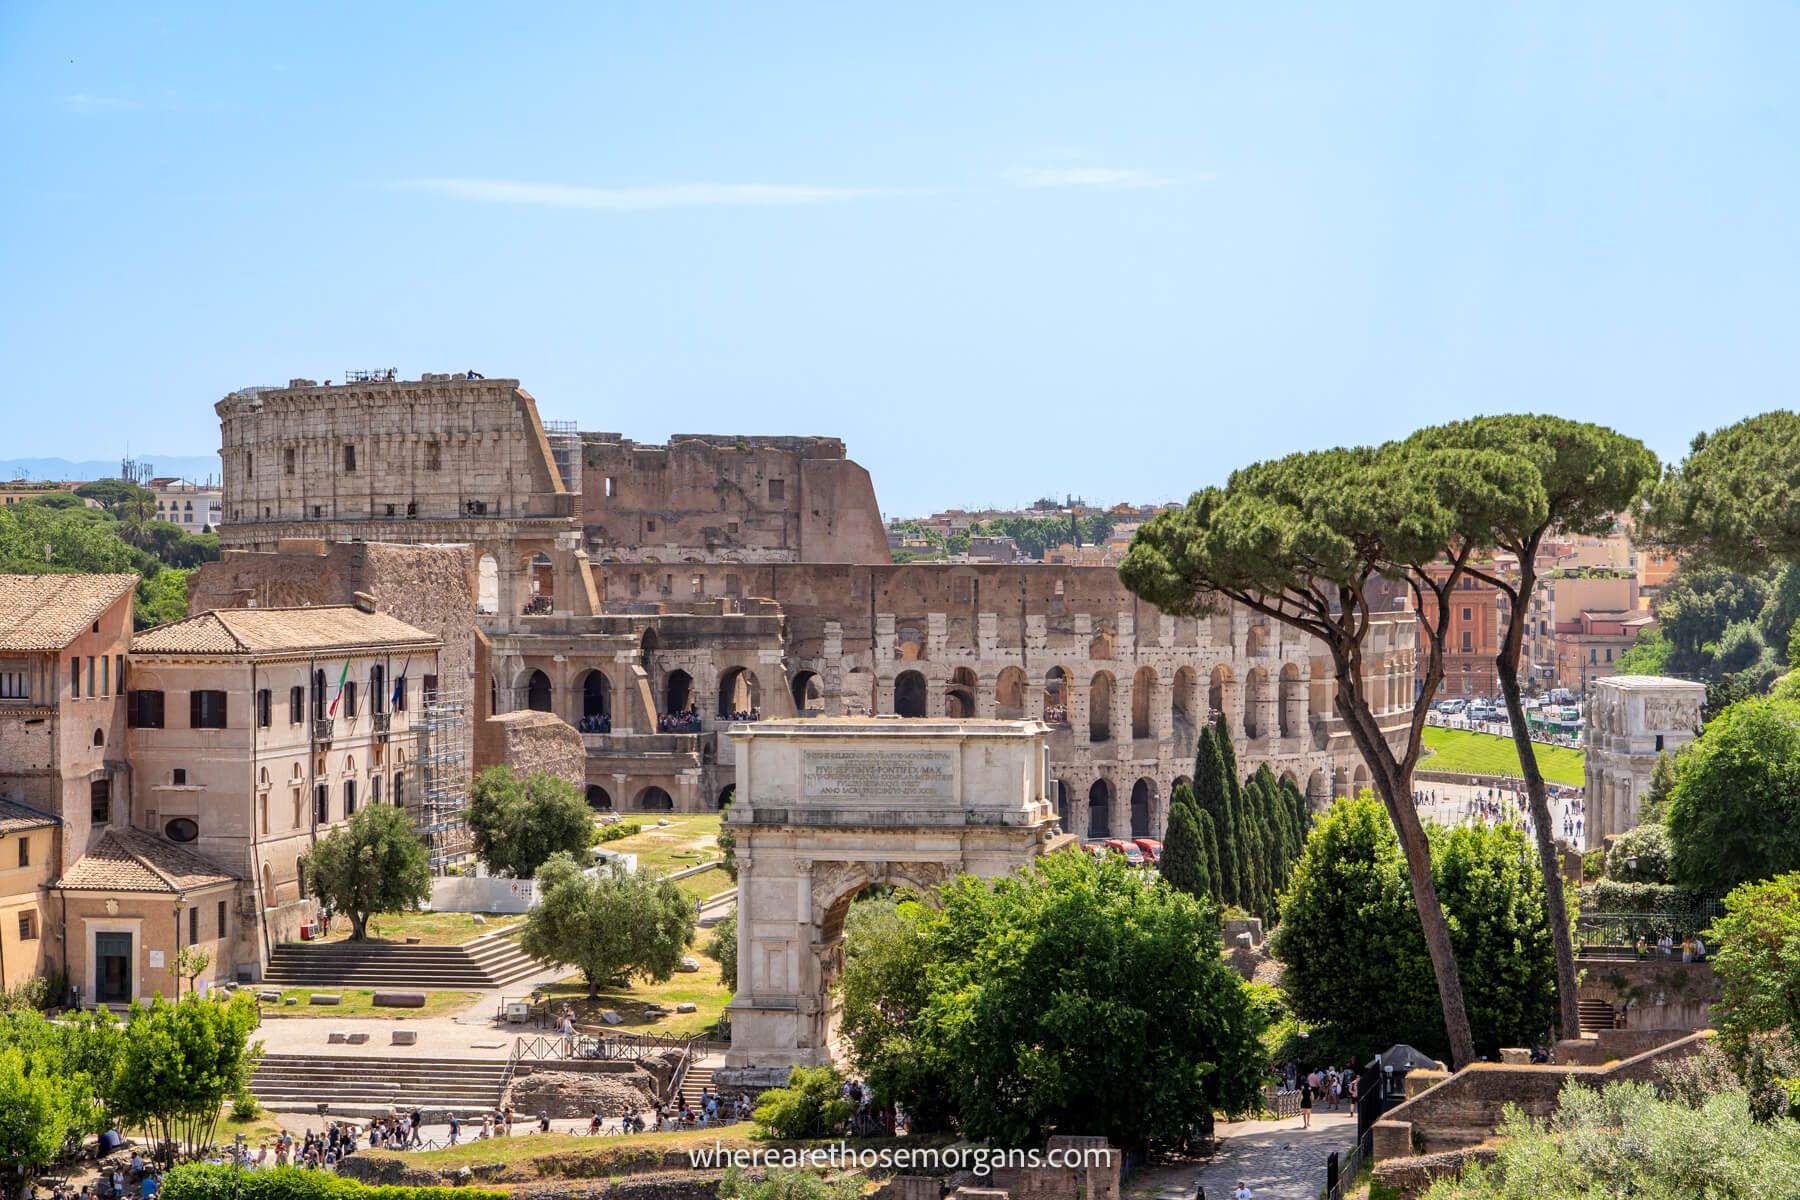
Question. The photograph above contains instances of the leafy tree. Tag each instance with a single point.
(57, 500)
(1734, 813)
(1588, 474)
(119, 496)
(722, 948)
(1072, 995)
(375, 864)
(728, 838)
(1735, 498)
(161, 598)
(609, 925)
(1183, 861)
(810, 1106)
(1757, 959)
(1626, 1141)
(518, 824)
(1321, 542)
(1640, 855)
(35, 1119)
(1648, 654)
(79, 1051)
(179, 1063)
(1354, 959)
(884, 987)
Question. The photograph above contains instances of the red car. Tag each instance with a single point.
(1152, 850)
(1129, 850)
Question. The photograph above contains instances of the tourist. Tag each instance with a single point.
(543, 1122)
(455, 1129)
(1306, 1102)
(1241, 1192)
(594, 1124)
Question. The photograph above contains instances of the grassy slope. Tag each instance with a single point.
(1465, 752)
(688, 840)
(431, 928)
(357, 1002)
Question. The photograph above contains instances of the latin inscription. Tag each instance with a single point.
(879, 775)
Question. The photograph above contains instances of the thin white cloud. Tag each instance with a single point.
(88, 102)
(1044, 177)
(638, 199)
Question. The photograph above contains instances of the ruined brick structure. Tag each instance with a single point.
(648, 595)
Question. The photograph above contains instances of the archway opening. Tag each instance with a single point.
(1256, 693)
(678, 693)
(596, 703)
(1059, 792)
(1143, 696)
(1142, 794)
(654, 799)
(1056, 701)
(537, 692)
(1221, 691)
(909, 694)
(1009, 694)
(540, 586)
(1181, 705)
(598, 798)
(1099, 810)
(487, 585)
(740, 696)
(1100, 700)
(1291, 702)
(809, 693)
(959, 696)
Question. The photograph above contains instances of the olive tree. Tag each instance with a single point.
(1326, 542)
(1589, 474)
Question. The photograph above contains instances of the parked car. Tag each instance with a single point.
(1452, 708)
(1152, 850)
(1129, 850)
(1485, 712)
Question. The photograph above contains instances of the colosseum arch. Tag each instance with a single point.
(1221, 696)
(1143, 700)
(910, 694)
(1100, 800)
(1009, 694)
(739, 692)
(598, 798)
(1182, 697)
(1292, 702)
(809, 693)
(1256, 641)
(678, 693)
(596, 700)
(535, 688)
(1256, 697)
(959, 695)
(1056, 697)
(1100, 701)
(1143, 808)
(487, 585)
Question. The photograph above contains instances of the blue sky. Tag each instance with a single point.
(1003, 251)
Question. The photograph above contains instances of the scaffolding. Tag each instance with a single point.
(442, 755)
(565, 448)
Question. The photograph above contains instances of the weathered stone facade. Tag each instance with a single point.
(1632, 720)
(531, 742)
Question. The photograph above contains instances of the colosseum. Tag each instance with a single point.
(652, 596)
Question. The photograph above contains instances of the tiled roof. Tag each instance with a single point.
(47, 612)
(130, 860)
(279, 631)
(16, 817)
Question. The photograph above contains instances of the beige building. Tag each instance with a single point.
(197, 508)
(1559, 602)
(28, 844)
(255, 732)
(1632, 720)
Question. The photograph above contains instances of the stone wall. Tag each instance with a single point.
(1654, 993)
(530, 741)
(1407, 1178)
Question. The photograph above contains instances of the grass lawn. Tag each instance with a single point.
(706, 883)
(688, 840)
(431, 928)
(358, 1002)
(569, 1155)
(1463, 751)
(702, 988)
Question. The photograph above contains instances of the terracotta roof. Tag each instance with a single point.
(47, 612)
(130, 860)
(16, 817)
(279, 631)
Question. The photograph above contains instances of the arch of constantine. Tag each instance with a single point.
(1632, 720)
(825, 807)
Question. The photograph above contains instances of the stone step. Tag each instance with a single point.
(494, 961)
(370, 1086)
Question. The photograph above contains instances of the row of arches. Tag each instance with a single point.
(1091, 812)
(1259, 641)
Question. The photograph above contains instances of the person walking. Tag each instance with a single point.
(1306, 1102)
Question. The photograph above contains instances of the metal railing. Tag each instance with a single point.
(1599, 933)
(557, 1047)
(1344, 1168)
(1283, 1102)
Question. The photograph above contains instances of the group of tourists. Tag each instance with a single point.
(596, 724)
(1322, 1085)
(1692, 949)
(687, 721)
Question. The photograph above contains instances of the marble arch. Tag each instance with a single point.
(827, 806)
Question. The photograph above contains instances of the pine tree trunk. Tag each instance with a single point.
(1506, 665)
(1394, 784)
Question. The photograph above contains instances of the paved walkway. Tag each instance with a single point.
(1278, 1159)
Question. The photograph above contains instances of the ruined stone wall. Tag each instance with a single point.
(711, 498)
(410, 457)
(529, 742)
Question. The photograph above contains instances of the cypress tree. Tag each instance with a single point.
(1183, 859)
(1232, 841)
(1209, 846)
(1212, 793)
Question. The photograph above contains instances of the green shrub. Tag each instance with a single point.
(244, 1107)
(1593, 865)
(1640, 855)
(1609, 897)
(623, 829)
(810, 1106)
(211, 1181)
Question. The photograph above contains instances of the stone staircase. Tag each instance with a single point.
(697, 1079)
(488, 962)
(371, 1087)
(1595, 1015)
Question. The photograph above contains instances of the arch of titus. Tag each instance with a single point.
(825, 807)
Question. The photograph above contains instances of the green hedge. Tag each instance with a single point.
(210, 1181)
(624, 829)
(1609, 897)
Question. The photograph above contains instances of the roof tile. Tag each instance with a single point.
(47, 612)
(130, 860)
(253, 631)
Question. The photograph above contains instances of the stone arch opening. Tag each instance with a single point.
(809, 693)
(598, 798)
(1009, 694)
(596, 703)
(1359, 779)
(1059, 792)
(1292, 702)
(909, 694)
(1100, 700)
(1318, 791)
(727, 794)
(654, 799)
(537, 692)
(740, 696)
(99, 738)
(268, 886)
(1256, 696)
(648, 643)
(1099, 809)
(487, 585)
(1056, 699)
(678, 693)
(909, 645)
(1221, 691)
(1256, 641)
(959, 696)
(859, 692)
(1143, 698)
(1101, 648)
(1143, 803)
(540, 586)
(1181, 707)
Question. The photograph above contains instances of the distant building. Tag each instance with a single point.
(1478, 613)
(1632, 720)
(1557, 605)
(194, 507)
(983, 548)
(1587, 647)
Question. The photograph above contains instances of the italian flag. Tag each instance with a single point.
(342, 677)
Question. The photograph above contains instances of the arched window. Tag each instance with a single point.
(909, 694)
(596, 703)
(1100, 698)
(1099, 809)
(678, 693)
(959, 697)
(598, 798)
(809, 696)
(740, 696)
(537, 692)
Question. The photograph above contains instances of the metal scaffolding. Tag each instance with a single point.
(443, 775)
(565, 448)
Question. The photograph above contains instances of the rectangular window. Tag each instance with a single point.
(430, 682)
(206, 709)
(296, 705)
(105, 675)
(178, 776)
(733, 585)
(349, 460)
(350, 700)
(698, 584)
(349, 797)
(1468, 642)
(90, 678)
(611, 487)
(28, 927)
(193, 925)
(1468, 614)
(287, 461)
(100, 801)
(264, 717)
(144, 710)
(75, 678)
(399, 789)
(24, 850)
(321, 806)
(12, 686)
(434, 457)
(119, 673)
(400, 694)
(374, 789)
(263, 805)
(777, 489)
(221, 918)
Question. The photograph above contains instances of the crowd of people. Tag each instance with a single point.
(1323, 1085)
(595, 724)
(687, 721)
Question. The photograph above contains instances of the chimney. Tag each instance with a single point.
(363, 601)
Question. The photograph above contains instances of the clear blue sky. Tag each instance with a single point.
(1002, 251)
